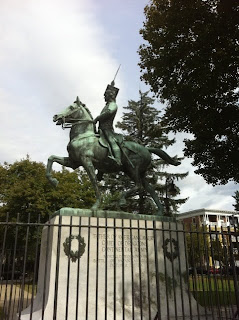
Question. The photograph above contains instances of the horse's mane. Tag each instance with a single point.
(85, 107)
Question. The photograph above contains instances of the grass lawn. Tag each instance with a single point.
(211, 284)
(213, 291)
(219, 298)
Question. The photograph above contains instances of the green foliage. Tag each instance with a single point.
(27, 196)
(190, 59)
(141, 123)
(198, 248)
(25, 190)
(219, 253)
(236, 197)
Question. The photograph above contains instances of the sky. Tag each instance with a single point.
(53, 51)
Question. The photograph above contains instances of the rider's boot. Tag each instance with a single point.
(116, 154)
(118, 161)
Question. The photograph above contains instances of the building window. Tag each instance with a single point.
(212, 218)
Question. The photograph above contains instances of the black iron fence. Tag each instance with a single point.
(96, 268)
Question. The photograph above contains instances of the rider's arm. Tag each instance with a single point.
(111, 110)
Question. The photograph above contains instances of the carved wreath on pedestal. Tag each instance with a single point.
(74, 255)
(171, 255)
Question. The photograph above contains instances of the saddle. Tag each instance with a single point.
(119, 138)
(122, 142)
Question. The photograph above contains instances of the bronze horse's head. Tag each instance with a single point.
(72, 114)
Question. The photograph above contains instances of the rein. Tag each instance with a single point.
(65, 125)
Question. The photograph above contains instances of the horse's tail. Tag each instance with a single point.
(162, 154)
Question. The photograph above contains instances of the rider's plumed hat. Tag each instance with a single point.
(112, 89)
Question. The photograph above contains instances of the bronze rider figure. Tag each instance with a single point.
(106, 119)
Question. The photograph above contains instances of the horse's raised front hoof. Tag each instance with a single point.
(54, 182)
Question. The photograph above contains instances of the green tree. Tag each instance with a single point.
(24, 189)
(236, 197)
(198, 248)
(141, 123)
(190, 59)
(26, 195)
(218, 252)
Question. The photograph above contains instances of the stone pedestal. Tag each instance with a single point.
(121, 265)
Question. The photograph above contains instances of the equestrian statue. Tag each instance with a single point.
(105, 150)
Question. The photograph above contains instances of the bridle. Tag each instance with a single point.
(67, 125)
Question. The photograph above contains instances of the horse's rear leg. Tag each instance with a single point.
(153, 194)
(64, 161)
(135, 176)
(126, 194)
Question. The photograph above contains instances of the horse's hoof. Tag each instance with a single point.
(54, 182)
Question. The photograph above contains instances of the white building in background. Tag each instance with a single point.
(221, 221)
(208, 217)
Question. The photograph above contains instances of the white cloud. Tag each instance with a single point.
(50, 51)
(56, 47)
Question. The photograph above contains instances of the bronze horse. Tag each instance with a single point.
(85, 149)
